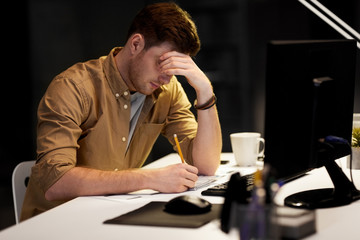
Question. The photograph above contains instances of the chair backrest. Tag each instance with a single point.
(20, 178)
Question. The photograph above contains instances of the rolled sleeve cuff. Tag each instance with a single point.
(51, 167)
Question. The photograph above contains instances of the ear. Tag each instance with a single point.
(137, 43)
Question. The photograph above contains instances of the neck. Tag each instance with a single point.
(122, 64)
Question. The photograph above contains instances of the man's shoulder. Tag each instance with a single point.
(83, 71)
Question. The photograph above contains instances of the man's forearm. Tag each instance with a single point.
(208, 142)
(88, 182)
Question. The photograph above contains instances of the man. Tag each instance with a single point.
(98, 120)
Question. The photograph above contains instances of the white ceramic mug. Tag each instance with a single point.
(356, 120)
(247, 147)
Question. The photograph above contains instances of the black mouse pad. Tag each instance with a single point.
(153, 214)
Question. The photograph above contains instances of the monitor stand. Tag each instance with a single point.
(343, 193)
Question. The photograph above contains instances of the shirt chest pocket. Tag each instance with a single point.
(143, 141)
(148, 133)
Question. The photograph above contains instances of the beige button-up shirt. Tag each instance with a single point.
(83, 120)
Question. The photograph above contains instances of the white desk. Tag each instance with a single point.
(82, 218)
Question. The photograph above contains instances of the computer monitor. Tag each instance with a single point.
(309, 97)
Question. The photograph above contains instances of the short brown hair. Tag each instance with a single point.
(161, 22)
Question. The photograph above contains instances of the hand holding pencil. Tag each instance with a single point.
(175, 177)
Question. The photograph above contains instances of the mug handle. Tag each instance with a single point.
(261, 147)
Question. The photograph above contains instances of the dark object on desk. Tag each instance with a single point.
(238, 212)
(310, 88)
(223, 162)
(344, 191)
(153, 214)
(220, 189)
(187, 204)
(238, 191)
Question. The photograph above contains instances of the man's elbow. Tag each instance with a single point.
(50, 194)
(56, 193)
(209, 169)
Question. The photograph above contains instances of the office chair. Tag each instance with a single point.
(20, 178)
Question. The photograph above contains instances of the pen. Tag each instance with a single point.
(178, 147)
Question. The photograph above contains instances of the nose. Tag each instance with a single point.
(164, 79)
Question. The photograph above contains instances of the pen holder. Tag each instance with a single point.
(254, 222)
(271, 222)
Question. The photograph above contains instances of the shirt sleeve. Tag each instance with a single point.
(60, 114)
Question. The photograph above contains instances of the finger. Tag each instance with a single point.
(180, 58)
(172, 54)
(192, 177)
(177, 71)
(189, 183)
(191, 169)
(176, 60)
(175, 63)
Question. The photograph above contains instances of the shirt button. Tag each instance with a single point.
(125, 106)
(123, 139)
(117, 95)
(126, 93)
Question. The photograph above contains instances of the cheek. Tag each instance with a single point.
(150, 71)
(147, 69)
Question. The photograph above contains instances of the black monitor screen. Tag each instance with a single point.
(309, 95)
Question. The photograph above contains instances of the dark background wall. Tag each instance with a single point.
(41, 38)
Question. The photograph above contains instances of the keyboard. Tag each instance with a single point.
(220, 189)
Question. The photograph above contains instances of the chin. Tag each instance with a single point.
(146, 91)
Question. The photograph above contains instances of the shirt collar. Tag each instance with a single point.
(116, 83)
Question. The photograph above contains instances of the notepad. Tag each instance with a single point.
(203, 181)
